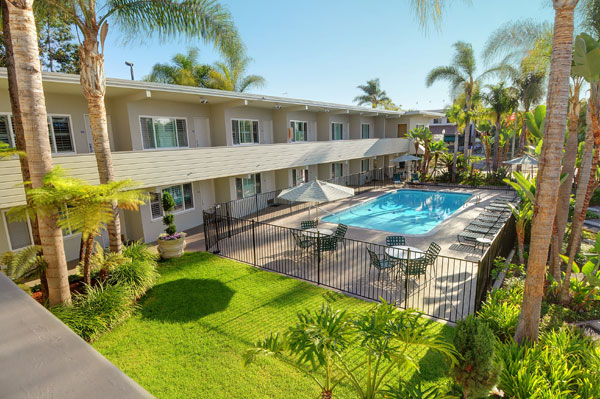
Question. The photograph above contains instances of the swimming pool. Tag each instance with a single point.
(403, 211)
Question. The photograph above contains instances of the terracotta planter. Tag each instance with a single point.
(171, 248)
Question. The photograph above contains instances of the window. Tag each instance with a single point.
(59, 131)
(365, 131)
(299, 176)
(19, 234)
(337, 130)
(336, 169)
(247, 186)
(418, 125)
(182, 195)
(6, 132)
(163, 132)
(364, 165)
(244, 131)
(299, 131)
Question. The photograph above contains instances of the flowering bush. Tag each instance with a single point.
(169, 237)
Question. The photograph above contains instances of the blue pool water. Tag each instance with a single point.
(403, 211)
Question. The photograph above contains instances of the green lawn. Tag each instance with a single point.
(188, 338)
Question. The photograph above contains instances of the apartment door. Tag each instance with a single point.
(402, 130)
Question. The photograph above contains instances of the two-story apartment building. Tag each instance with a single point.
(203, 146)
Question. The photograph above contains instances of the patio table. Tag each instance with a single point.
(317, 230)
(401, 252)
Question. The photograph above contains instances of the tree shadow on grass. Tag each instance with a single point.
(186, 300)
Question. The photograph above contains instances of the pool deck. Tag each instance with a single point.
(444, 233)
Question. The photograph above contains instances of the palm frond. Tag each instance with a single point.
(515, 39)
(447, 73)
(204, 19)
(22, 264)
(464, 58)
(251, 81)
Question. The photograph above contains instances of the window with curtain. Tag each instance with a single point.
(163, 132)
(364, 165)
(365, 131)
(336, 169)
(182, 195)
(244, 131)
(299, 131)
(19, 235)
(247, 186)
(299, 176)
(337, 131)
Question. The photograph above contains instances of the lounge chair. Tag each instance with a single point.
(397, 179)
(391, 241)
(308, 224)
(382, 263)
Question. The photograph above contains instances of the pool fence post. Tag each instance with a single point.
(318, 258)
(254, 243)
(406, 279)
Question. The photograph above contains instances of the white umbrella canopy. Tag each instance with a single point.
(406, 158)
(524, 160)
(316, 191)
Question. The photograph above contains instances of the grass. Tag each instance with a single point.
(189, 335)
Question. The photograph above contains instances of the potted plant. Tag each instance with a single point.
(170, 243)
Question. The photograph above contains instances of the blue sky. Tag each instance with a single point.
(321, 50)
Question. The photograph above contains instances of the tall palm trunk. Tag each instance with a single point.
(466, 149)
(585, 188)
(564, 192)
(93, 83)
(496, 152)
(523, 135)
(454, 162)
(29, 107)
(548, 177)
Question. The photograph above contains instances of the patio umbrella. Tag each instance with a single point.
(406, 158)
(316, 191)
(524, 160)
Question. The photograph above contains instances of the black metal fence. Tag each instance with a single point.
(504, 187)
(445, 290)
(266, 206)
(503, 242)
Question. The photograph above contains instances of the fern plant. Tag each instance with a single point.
(23, 264)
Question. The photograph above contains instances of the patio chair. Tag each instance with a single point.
(301, 243)
(397, 179)
(418, 267)
(391, 241)
(308, 224)
(326, 245)
(340, 233)
(414, 177)
(381, 263)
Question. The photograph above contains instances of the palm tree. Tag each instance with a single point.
(502, 100)
(31, 130)
(24, 264)
(183, 70)
(436, 149)
(548, 177)
(461, 76)
(230, 74)
(568, 170)
(457, 116)
(205, 19)
(372, 94)
(85, 208)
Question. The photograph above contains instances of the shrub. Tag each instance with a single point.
(477, 371)
(562, 364)
(137, 250)
(502, 308)
(99, 309)
(168, 204)
(138, 275)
